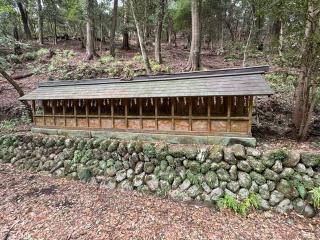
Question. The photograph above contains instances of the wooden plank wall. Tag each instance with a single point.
(208, 124)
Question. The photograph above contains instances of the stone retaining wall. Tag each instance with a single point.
(281, 179)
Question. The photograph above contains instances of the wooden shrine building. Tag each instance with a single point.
(217, 102)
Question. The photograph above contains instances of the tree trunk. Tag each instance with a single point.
(113, 28)
(306, 88)
(194, 57)
(157, 42)
(17, 88)
(40, 21)
(90, 50)
(170, 31)
(140, 37)
(15, 33)
(25, 20)
(280, 49)
(125, 33)
(55, 38)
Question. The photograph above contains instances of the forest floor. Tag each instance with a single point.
(36, 206)
(272, 123)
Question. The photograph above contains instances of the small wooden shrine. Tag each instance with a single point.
(217, 102)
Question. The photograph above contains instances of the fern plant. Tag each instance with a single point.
(315, 196)
(241, 207)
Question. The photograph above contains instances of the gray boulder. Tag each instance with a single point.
(229, 155)
(276, 197)
(185, 185)
(271, 175)
(310, 159)
(239, 151)
(243, 194)
(121, 175)
(216, 194)
(138, 180)
(152, 182)
(211, 179)
(244, 166)
(193, 191)
(277, 167)
(253, 152)
(257, 165)
(258, 178)
(223, 175)
(292, 160)
(244, 180)
(284, 206)
(233, 186)
(148, 167)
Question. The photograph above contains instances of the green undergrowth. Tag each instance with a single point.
(282, 82)
(11, 124)
(240, 207)
(315, 196)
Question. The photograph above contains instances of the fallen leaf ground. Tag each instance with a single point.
(36, 206)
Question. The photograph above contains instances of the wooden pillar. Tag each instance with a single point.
(87, 111)
(33, 106)
(75, 102)
(209, 102)
(112, 112)
(190, 114)
(140, 113)
(64, 112)
(156, 112)
(54, 111)
(250, 102)
(229, 114)
(99, 111)
(172, 114)
(126, 112)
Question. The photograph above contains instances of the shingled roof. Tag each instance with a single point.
(220, 82)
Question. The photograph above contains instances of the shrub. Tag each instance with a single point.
(137, 58)
(106, 59)
(29, 56)
(315, 196)
(12, 58)
(279, 155)
(42, 52)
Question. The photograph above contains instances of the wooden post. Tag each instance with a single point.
(229, 114)
(112, 112)
(140, 113)
(64, 112)
(209, 113)
(172, 114)
(250, 102)
(156, 112)
(87, 111)
(99, 111)
(54, 112)
(190, 114)
(126, 112)
(33, 107)
(75, 102)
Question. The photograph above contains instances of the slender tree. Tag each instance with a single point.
(137, 16)
(306, 92)
(25, 20)
(90, 49)
(157, 42)
(40, 21)
(113, 28)
(194, 57)
(125, 33)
